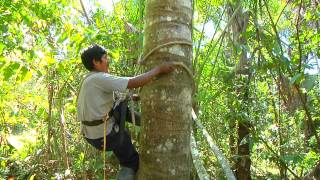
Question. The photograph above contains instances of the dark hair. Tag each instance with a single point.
(94, 52)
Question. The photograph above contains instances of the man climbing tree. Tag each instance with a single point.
(95, 101)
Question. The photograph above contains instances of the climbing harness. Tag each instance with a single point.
(96, 123)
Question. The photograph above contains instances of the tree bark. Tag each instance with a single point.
(314, 174)
(166, 102)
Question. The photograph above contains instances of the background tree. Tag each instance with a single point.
(239, 19)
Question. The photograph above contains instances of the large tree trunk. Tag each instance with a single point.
(166, 102)
(238, 26)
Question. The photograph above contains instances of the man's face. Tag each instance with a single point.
(103, 65)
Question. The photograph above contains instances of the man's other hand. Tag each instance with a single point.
(135, 97)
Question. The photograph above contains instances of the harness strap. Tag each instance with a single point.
(93, 123)
(122, 119)
(105, 145)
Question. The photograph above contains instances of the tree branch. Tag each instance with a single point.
(85, 12)
(298, 37)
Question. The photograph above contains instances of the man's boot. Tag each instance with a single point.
(126, 173)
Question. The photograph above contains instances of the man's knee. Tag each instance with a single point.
(126, 153)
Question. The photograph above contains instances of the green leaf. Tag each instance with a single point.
(25, 74)
(309, 82)
(296, 79)
(39, 73)
(285, 61)
(10, 70)
(2, 46)
(63, 37)
(245, 140)
(32, 177)
(2, 62)
(81, 156)
(294, 158)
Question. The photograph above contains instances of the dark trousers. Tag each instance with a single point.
(123, 149)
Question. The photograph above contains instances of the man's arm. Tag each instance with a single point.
(142, 79)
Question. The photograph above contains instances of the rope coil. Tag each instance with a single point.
(142, 59)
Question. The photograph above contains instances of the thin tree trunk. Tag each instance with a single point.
(238, 27)
(282, 168)
(64, 140)
(232, 136)
(49, 118)
(63, 127)
(85, 12)
(166, 102)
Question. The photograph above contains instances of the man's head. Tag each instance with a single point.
(94, 58)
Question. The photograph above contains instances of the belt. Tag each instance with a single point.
(93, 123)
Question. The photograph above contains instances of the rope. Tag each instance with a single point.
(142, 60)
(133, 118)
(188, 70)
(180, 64)
(104, 145)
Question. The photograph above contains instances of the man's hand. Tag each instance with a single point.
(135, 97)
(142, 79)
(166, 68)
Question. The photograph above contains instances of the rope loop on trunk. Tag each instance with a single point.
(142, 59)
